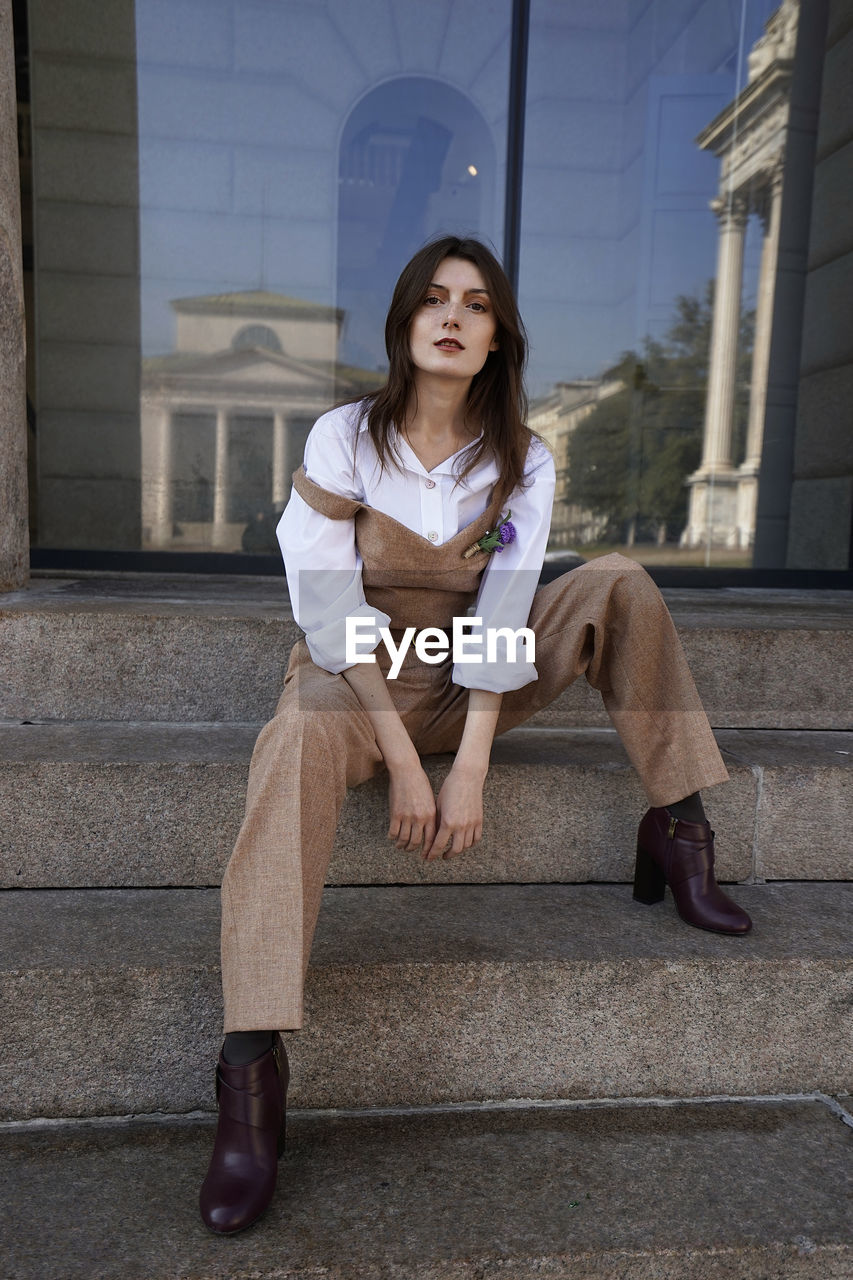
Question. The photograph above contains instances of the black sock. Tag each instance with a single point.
(244, 1046)
(689, 809)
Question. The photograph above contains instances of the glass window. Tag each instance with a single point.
(224, 191)
(225, 194)
(654, 168)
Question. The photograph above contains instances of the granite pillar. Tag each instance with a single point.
(773, 513)
(820, 529)
(14, 533)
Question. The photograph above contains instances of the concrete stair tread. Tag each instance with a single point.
(120, 742)
(181, 742)
(710, 1191)
(167, 596)
(156, 803)
(232, 595)
(408, 925)
(431, 995)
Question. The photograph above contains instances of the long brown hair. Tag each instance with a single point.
(497, 401)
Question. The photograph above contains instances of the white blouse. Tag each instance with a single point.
(323, 564)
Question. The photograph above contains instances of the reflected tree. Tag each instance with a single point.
(629, 459)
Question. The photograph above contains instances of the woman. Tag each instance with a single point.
(400, 520)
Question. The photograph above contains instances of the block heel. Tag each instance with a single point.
(282, 1067)
(649, 879)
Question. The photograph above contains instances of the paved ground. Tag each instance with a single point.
(709, 1189)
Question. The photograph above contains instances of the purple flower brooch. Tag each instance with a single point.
(496, 539)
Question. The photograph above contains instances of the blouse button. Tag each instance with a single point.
(430, 484)
(432, 535)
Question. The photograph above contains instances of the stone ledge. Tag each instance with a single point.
(111, 1002)
(750, 1189)
(125, 804)
(155, 804)
(195, 650)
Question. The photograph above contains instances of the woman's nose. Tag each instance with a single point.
(450, 320)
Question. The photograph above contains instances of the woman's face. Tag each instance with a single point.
(453, 330)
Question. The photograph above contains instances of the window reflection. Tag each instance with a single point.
(416, 159)
(650, 313)
(287, 173)
(224, 194)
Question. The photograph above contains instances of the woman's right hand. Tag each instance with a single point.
(410, 796)
(412, 805)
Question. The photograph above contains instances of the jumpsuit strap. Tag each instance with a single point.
(323, 500)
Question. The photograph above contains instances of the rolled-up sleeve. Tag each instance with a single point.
(322, 562)
(508, 585)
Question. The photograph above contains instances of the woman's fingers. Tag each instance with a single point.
(436, 848)
(412, 806)
(410, 834)
(458, 840)
(415, 840)
(462, 840)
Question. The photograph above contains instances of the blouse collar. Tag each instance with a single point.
(485, 471)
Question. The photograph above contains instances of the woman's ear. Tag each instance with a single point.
(494, 344)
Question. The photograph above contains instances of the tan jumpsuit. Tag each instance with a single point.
(605, 620)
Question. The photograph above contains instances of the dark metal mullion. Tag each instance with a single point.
(517, 104)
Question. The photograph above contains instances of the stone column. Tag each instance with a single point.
(160, 485)
(764, 318)
(280, 477)
(747, 494)
(732, 212)
(219, 539)
(712, 515)
(14, 533)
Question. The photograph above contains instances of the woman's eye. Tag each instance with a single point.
(432, 300)
(477, 306)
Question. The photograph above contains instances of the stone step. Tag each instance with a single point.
(110, 1000)
(137, 647)
(697, 1191)
(156, 804)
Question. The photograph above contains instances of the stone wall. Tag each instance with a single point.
(821, 517)
(86, 198)
(14, 550)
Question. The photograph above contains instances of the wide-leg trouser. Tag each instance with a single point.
(606, 620)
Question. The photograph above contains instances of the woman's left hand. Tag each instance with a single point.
(459, 814)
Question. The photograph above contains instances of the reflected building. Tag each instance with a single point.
(555, 417)
(749, 137)
(224, 416)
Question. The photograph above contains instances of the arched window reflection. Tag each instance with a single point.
(252, 336)
(416, 158)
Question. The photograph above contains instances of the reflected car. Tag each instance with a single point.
(557, 562)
